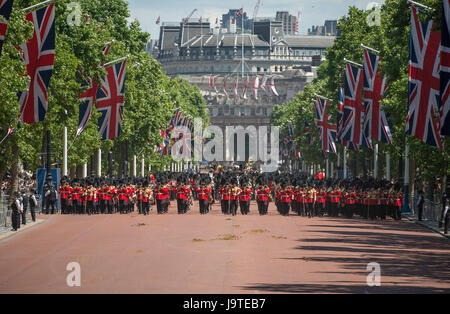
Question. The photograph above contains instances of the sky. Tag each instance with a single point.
(312, 12)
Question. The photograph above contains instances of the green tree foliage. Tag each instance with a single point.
(391, 38)
(149, 93)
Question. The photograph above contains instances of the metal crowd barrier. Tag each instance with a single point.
(432, 211)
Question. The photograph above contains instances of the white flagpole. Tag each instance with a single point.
(37, 5)
(65, 152)
(354, 63)
(375, 161)
(115, 61)
(371, 49)
(345, 162)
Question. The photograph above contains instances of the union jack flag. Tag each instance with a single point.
(88, 97)
(424, 81)
(110, 101)
(445, 69)
(376, 125)
(38, 56)
(353, 109)
(309, 133)
(85, 108)
(5, 11)
(239, 12)
(327, 131)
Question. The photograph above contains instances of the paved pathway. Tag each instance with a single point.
(214, 253)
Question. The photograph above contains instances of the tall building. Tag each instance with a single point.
(288, 22)
(328, 29)
(227, 18)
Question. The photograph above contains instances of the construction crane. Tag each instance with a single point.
(255, 12)
(189, 16)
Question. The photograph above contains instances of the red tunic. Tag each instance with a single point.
(203, 193)
(162, 193)
(245, 195)
(183, 192)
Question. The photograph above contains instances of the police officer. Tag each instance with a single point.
(33, 204)
(50, 199)
(16, 209)
(25, 201)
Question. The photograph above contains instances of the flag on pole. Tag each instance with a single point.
(445, 69)
(86, 107)
(327, 131)
(158, 20)
(88, 97)
(244, 92)
(272, 86)
(200, 20)
(110, 101)
(309, 133)
(225, 85)
(263, 83)
(424, 81)
(353, 108)
(239, 12)
(255, 87)
(39, 58)
(214, 83)
(217, 20)
(5, 11)
(376, 125)
(299, 155)
(236, 85)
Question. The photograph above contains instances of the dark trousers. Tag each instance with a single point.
(204, 206)
(245, 207)
(50, 208)
(90, 207)
(284, 208)
(233, 207)
(225, 205)
(145, 208)
(398, 213)
(162, 206)
(15, 219)
(262, 207)
(24, 216)
(32, 212)
(420, 209)
(182, 206)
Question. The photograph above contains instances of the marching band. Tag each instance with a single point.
(291, 193)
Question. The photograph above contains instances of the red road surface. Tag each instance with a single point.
(214, 253)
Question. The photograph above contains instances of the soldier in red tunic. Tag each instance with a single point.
(204, 195)
(263, 196)
(245, 196)
(225, 195)
(183, 195)
(162, 195)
